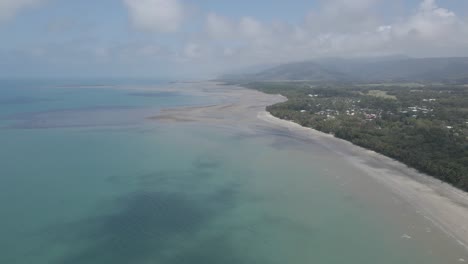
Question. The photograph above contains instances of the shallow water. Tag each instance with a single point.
(85, 178)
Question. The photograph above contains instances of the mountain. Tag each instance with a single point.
(388, 69)
(303, 71)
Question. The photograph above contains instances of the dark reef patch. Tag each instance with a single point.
(100, 116)
(141, 229)
(155, 94)
(211, 251)
(207, 162)
(19, 100)
(145, 225)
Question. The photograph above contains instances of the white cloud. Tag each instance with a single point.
(250, 27)
(218, 26)
(228, 52)
(156, 15)
(9, 8)
(333, 28)
(428, 5)
(192, 51)
(246, 28)
(338, 28)
(343, 16)
(430, 21)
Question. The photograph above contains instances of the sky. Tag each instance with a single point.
(205, 38)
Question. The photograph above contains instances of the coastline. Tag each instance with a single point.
(442, 204)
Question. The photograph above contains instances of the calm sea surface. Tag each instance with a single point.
(86, 178)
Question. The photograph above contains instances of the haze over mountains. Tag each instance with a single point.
(387, 69)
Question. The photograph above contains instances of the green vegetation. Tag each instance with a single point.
(402, 84)
(379, 93)
(425, 128)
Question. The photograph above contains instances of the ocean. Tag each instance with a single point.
(86, 177)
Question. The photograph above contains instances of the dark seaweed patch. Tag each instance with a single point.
(143, 226)
(155, 94)
(212, 251)
(18, 100)
(140, 229)
(207, 162)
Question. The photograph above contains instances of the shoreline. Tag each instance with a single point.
(442, 204)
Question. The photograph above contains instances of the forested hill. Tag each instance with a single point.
(398, 69)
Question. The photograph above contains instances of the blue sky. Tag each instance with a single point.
(202, 38)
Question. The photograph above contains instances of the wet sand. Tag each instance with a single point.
(445, 206)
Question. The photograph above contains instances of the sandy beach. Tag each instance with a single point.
(445, 206)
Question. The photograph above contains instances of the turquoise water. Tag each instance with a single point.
(85, 178)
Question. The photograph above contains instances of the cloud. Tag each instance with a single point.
(344, 27)
(430, 21)
(246, 28)
(218, 27)
(343, 16)
(215, 42)
(337, 28)
(156, 15)
(9, 8)
(430, 31)
(250, 27)
(192, 50)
